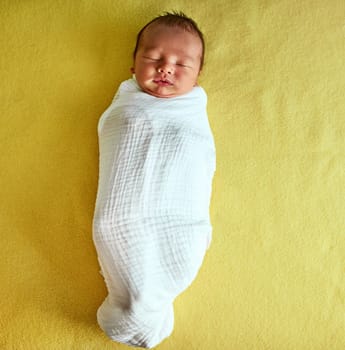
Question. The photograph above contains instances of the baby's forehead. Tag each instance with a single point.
(155, 30)
(159, 26)
(172, 38)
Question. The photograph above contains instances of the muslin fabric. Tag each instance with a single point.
(151, 225)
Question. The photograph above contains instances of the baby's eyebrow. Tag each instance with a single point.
(189, 58)
(186, 57)
(149, 48)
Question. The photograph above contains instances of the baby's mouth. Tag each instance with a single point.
(163, 82)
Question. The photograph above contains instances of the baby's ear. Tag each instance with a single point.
(132, 70)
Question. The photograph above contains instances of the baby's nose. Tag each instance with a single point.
(165, 68)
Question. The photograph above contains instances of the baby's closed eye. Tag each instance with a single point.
(157, 59)
(183, 65)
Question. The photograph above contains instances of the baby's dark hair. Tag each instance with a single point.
(175, 19)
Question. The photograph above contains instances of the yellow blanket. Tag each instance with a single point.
(274, 276)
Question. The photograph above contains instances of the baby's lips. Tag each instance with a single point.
(162, 81)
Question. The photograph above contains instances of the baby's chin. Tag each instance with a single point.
(164, 92)
(155, 94)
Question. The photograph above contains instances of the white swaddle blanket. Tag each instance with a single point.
(151, 226)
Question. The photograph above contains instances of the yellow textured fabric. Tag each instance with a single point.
(274, 277)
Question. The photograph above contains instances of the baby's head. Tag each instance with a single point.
(169, 55)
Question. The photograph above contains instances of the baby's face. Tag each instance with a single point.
(167, 63)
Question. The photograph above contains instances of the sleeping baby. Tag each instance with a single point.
(151, 225)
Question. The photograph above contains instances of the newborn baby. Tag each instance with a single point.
(151, 225)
